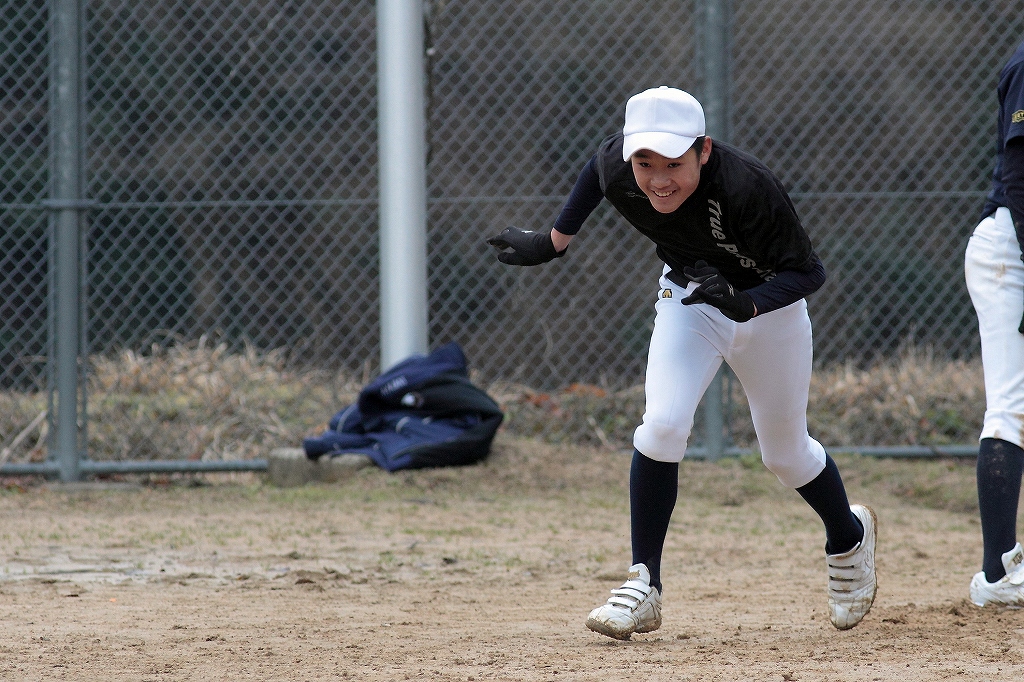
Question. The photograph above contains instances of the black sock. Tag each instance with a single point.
(827, 496)
(999, 470)
(653, 487)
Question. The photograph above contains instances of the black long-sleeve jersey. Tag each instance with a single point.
(739, 219)
(1008, 175)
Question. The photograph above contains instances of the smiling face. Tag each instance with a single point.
(669, 182)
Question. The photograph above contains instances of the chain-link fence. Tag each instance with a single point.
(230, 152)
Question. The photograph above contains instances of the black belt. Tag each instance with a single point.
(677, 278)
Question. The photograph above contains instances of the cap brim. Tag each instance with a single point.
(668, 145)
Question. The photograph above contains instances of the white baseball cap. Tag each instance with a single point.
(664, 120)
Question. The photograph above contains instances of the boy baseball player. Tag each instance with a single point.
(995, 280)
(738, 265)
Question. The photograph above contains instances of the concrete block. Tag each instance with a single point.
(288, 467)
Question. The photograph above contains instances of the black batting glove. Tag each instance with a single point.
(528, 248)
(715, 290)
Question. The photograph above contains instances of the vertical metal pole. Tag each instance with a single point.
(716, 58)
(714, 421)
(65, 204)
(717, 63)
(403, 179)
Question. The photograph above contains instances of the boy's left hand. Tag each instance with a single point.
(715, 290)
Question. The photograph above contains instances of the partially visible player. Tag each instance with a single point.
(995, 280)
(738, 265)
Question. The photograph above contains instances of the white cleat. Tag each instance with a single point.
(851, 575)
(634, 607)
(1008, 590)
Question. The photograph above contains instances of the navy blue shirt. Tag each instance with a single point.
(1008, 175)
(739, 220)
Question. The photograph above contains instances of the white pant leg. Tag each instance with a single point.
(771, 356)
(682, 361)
(995, 281)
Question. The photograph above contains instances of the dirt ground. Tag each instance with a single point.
(483, 573)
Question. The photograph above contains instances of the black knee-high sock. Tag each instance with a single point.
(653, 487)
(999, 471)
(827, 496)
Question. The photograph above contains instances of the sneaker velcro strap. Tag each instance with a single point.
(845, 568)
(845, 574)
(1016, 578)
(637, 586)
(630, 594)
(628, 604)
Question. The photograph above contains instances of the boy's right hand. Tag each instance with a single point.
(528, 248)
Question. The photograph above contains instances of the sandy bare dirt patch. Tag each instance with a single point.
(485, 573)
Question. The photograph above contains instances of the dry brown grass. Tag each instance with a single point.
(198, 401)
(190, 401)
(914, 399)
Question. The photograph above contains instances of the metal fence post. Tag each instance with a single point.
(403, 179)
(715, 46)
(65, 205)
(715, 61)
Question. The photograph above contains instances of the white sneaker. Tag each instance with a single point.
(851, 575)
(634, 607)
(1008, 590)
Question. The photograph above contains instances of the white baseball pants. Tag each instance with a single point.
(995, 280)
(770, 355)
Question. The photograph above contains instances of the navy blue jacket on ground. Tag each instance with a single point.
(423, 412)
